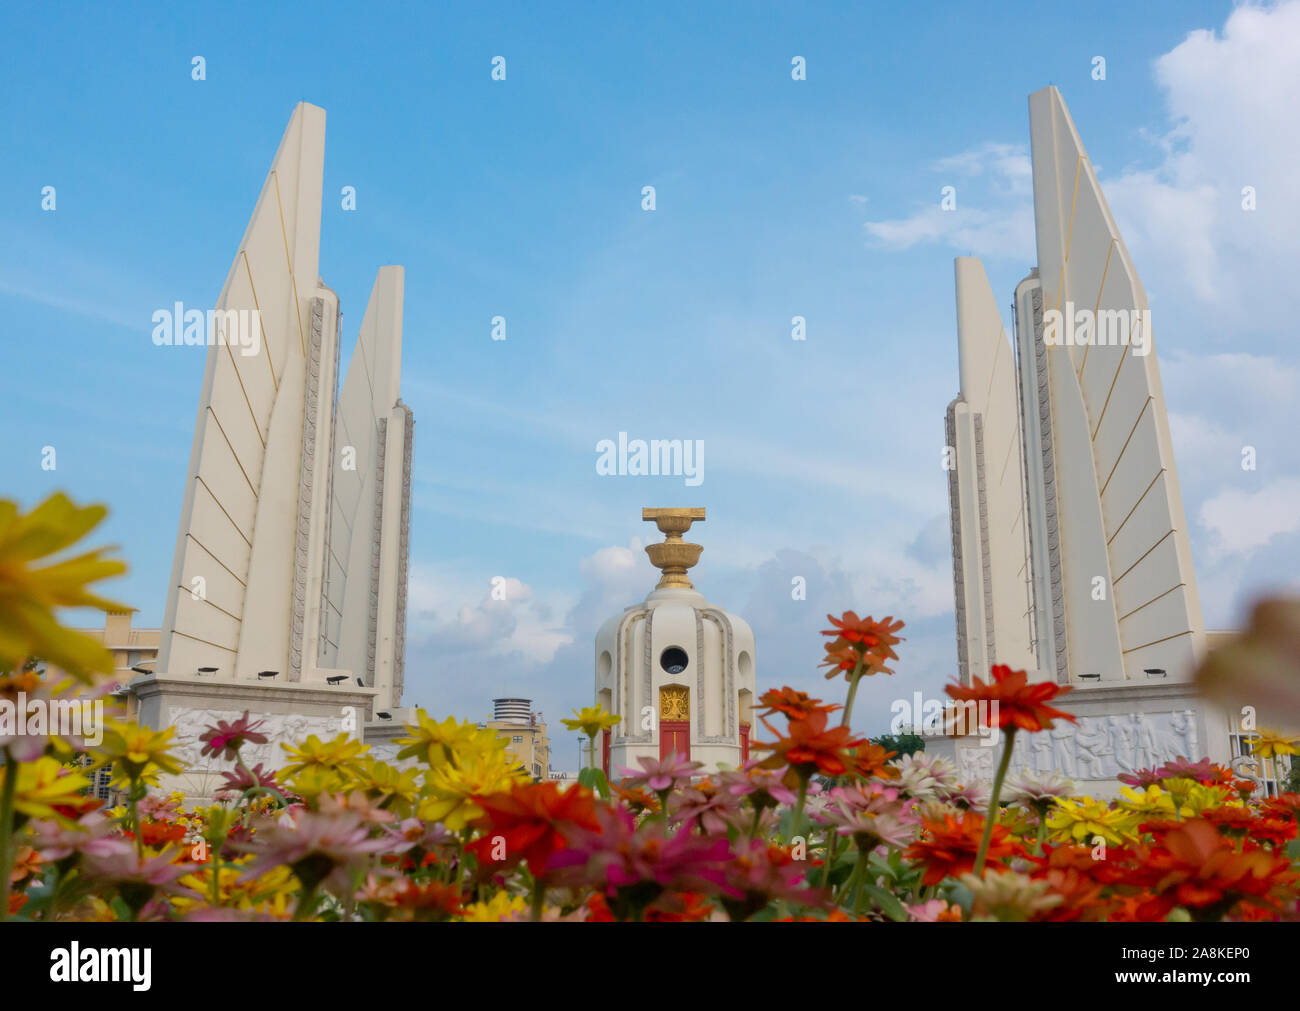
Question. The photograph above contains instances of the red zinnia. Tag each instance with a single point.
(527, 824)
(949, 847)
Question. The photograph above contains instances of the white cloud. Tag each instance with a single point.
(456, 616)
(1232, 100)
(1242, 522)
(981, 223)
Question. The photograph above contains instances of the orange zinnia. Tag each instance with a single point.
(949, 847)
(1012, 699)
(810, 748)
(794, 704)
(875, 640)
(867, 760)
(1196, 867)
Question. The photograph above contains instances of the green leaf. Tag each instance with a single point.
(888, 903)
(594, 779)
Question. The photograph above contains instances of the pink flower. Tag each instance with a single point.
(763, 787)
(871, 815)
(759, 873)
(660, 776)
(933, 911)
(317, 847)
(634, 866)
(1142, 778)
(95, 835)
(238, 780)
(710, 809)
(225, 739)
(138, 880)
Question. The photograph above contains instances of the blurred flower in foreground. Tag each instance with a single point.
(1261, 665)
(29, 594)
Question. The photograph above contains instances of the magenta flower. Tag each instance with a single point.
(634, 866)
(1180, 766)
(1141, 778)
(660, 776)
(225, 739)
(760, 873)
(763, 787)
(240, 779)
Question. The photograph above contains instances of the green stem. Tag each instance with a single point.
(854, 888)
(798, 807)
(7, 828)
(991, 818)
(132, 802)
(758, 815)
(832, 844)
(306, 905)
(853, 691)
(539, 895)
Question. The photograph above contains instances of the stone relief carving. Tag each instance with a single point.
(1098, 747)
(286, 728)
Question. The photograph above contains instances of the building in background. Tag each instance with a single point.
(1071, 557)
(525, 733)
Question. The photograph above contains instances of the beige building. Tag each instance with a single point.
(135, 650)
(525, 734)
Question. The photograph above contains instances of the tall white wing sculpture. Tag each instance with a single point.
(288, 587)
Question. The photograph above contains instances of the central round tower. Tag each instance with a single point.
(677, 669)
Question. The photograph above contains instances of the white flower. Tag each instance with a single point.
(924, 776)
(1030, 788)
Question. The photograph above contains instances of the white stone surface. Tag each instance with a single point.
(1070, 551)
(291, 554)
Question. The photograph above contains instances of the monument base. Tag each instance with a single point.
(289, 712)
(1120, 728)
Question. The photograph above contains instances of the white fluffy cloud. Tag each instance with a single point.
(1242, 522)
(994, 217)
(1231, 97)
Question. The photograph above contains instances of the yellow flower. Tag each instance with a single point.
(501, 906)
(1083, 819)
(389, 787)
(450, 741)
(30, 594)
(311, 781)
(451, 789)
(591, 720)
(1202, 797)
(1271, 743)
(136, 752)
(1151, 803)
(44, 785)
(339, 755)
(268, 893)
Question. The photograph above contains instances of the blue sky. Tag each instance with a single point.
(775, 198)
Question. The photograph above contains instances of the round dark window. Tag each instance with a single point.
(674, 660)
